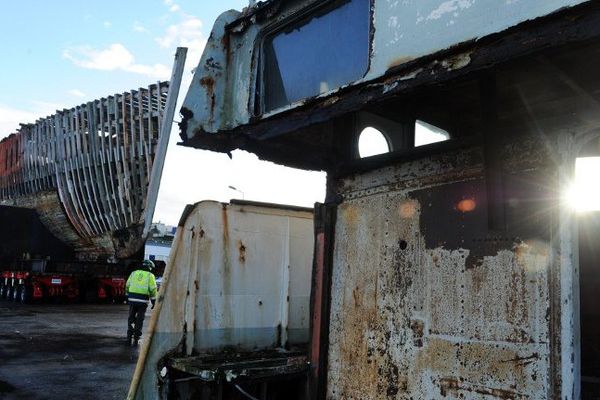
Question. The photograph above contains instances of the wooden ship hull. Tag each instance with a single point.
(87, 171)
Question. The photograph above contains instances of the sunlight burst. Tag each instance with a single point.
(584, 193)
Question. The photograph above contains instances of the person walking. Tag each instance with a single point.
(140, 287)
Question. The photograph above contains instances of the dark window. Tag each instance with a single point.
(316, 54)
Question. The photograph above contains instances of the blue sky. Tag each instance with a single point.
(49, 48)
(58, 54)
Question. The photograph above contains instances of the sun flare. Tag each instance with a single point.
(584, 193)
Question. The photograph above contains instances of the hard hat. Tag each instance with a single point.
(148, 264)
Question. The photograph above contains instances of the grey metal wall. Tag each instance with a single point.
(238, 278)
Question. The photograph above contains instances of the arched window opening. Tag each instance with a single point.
(372, 142)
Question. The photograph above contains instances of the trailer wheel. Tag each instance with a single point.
(6, 293)
(14, 293)
(91, 295)
(25, 295)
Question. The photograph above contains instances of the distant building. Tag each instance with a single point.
(158, 245)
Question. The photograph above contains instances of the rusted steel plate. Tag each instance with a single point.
(427, 302)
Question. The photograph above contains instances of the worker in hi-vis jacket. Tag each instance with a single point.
(140, 287)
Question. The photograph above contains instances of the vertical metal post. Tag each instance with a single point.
(285, 288)
(325, 217)
(163, 141)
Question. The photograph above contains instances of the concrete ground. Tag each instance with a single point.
(64, 351)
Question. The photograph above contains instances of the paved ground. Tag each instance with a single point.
(64, 352)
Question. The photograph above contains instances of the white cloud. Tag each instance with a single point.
(172, 6)
(45, 108)
(159, 71)
(114, 57)
(448, 7)
(185, 32)
(107, 24)
(76, 93)
(138, 27)
(11, 117)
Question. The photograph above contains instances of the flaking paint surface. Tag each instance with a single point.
(419, 322)
(213, 300)
(403, 31)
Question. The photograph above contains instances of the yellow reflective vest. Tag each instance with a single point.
(141, 286)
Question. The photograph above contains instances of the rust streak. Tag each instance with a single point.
(450, 386)
(242, 250)
(399, 61)
(523, 360)
(208, 82)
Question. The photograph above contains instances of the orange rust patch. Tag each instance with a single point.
(399, 61)
(350, 215)
(208, 82)
(408, 208)
(438, 355)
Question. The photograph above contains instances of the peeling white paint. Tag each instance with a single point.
(239, 277)
(448, 7)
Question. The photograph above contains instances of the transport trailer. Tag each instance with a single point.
(39, 280)
(30, 269)
(232, 314)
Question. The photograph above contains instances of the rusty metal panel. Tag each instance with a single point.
(238, 279)
(427, 302)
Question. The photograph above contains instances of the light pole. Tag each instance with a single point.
(237, 190)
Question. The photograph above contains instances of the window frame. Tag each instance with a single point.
(274, 28)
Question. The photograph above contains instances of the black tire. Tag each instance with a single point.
(14, 293)
(25, 295)
(91, 296)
